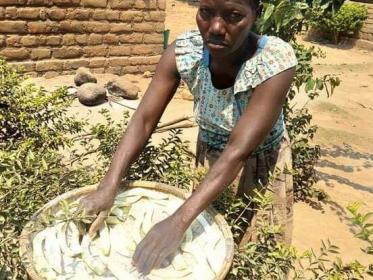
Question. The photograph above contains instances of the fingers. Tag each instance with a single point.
(161, 262)
(145, 261)
(146, 264)
(98, 223)
(142, 259)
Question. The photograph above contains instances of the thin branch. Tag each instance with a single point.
(185, 118)
(179, 126)
(83, 155)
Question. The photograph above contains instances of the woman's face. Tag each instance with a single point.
(224, 24)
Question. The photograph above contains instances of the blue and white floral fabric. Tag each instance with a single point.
(218, 110)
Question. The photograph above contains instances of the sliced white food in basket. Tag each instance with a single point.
(91, 257)
(52, 251)
(41, 264)
(104, 240)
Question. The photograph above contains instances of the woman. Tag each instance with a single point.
(239, 81)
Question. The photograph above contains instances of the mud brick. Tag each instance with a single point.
(144, 68)
(15, 27)
(94, 3)
(68, 3)
(11, 13)
(97, 62)
(120, 27)
(140, 60)
(29, 13)
(155, 38)
(116, 70)
(42, 27)
(110, 39)
(56, 14)
(148, 4)
(161, 4)
(24, 66)
(12, 2)
(75, 64)
(81, 39)
(120, 50)
(53, 40)
(130, 70)
(121, 4)
(13, 41)
(2, 40)
(94, 51)
(73, 26)
(99, 15)
(112, 15)
(131, 38)
(40, 3)
(98, 27)
(29, 41)
(146, 27)
(68, 40)
(67, 52)
(94, 39)
(129, 16)
(118, 61)
(147, 49)
(42, 53)
(155, 16)
(79, 14)
(15, 53)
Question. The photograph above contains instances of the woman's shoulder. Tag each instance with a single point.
(278, 49)
(189, 53)
(275, 56)
(191, 39)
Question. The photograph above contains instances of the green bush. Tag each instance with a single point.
(39, 158)
(346, 21)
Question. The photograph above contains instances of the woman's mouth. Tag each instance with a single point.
(216, 45)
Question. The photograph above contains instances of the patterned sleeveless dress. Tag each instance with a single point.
(217, 111)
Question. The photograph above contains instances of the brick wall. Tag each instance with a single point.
(58, 36)
(366, 32)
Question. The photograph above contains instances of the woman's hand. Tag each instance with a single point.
(98, 202)
(161, 241)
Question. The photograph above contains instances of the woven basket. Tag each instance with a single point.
(30, 229)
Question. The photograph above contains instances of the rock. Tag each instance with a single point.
(83, 76)
(122, 88)
(91, 94)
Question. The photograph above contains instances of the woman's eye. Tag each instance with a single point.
(234, 17)
(205, 13)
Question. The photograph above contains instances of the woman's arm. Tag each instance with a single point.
(159, 93)
(257, 121)
(254, 125)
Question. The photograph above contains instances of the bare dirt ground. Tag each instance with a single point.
(345, 134)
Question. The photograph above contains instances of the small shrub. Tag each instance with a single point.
(346, 21)
(35, 129)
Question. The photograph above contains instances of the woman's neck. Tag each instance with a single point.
(243, 53)
(225, 70)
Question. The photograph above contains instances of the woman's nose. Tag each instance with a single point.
(217, 26)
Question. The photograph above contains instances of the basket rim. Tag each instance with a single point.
(25, 239)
